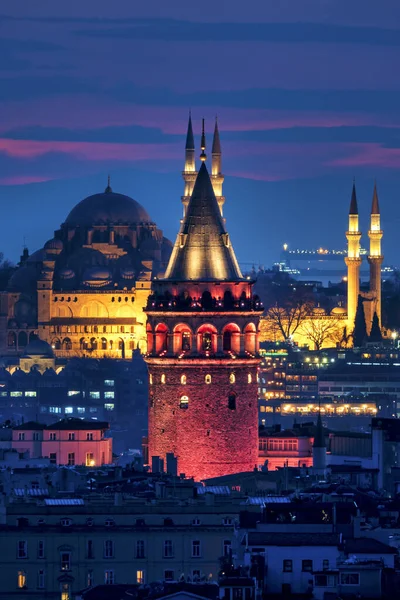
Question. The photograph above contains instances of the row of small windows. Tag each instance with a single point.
(184, 401)
(69, 299)
(21, 339)
(92, 329)
(207, 379)
(22, 547)
(92, 344)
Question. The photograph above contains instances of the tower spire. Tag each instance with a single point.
(189, 169)
(203, 155)
(217, 177)
(353, 260)
(108, 189)
(375, 210)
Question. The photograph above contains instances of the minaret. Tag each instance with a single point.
(189, 172)
(375, 257)
(217, 177)
(353, 261)
(319, 449)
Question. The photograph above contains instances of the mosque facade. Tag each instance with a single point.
(84, 292)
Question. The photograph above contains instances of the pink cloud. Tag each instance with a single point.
(368, 155)
(24, 179)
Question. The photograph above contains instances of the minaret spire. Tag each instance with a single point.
(217, 177)
(108, 189)
(353, 260)
(203, 155)
(375, 257)
(189, 171)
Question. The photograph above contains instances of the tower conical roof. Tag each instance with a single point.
(319, 438)
(216, 145)
(375, 203)
(353, 203)
(202, 250)
(189, 135)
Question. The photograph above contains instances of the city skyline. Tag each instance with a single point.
(306, 101)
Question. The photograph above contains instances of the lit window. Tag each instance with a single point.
(21, 579)
(81, 409)
(109, 382)
(15, 394)
(69, 410)
(109, 395)
(65, 591)
(232, 378)
(95, 395)
(249, 378)
(109, 578)
(183, 380)
(207, 379)
(163, 378)
(30, 394)
(90, 459)
(73, 393)
(109, 406)
(55, 409)
(184, 402)
(151, 379)
(140, 576)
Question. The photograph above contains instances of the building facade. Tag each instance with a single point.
(85, 290)
(203, 344)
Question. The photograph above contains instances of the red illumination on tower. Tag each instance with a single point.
(202, 332)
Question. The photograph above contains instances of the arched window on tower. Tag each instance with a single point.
(163, 378)
(207, 379)
(232, 401)
(184, 402)
(183, 379)
(206, 344)
(227, 341)
(22, 339)
(103, 343)
(249, 378)
(232, 378)
(11, 339)
(186, 341)
(161, 333)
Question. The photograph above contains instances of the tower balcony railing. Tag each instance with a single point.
(212, 304)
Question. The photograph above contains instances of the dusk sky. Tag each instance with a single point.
(307, 95)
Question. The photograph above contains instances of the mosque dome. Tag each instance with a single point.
(38, 347)
(107, 208)
(66, 273)
(319, 311)
(23, 279)
(127, 273)
(338, 310)
(54, 244)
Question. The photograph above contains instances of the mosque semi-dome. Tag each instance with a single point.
(107, 208)
(38, 347)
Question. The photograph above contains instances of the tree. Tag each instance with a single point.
(320, 330)
(360, 328)
(375, 333)
(6, 270)
(287, 317)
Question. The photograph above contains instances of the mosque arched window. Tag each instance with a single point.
(67, 344)
(111, 344)
(22, 339)
(103, 343)
(122, 330)
(93, 343)
(83, 344)
(11, 339)
(184, 402)
(56, 344)
(232, 401)
(95, 329)
(104, 328)
(120, 344)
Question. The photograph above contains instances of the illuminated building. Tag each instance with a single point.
(69, 442)
(85, 290)
(203, 343)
